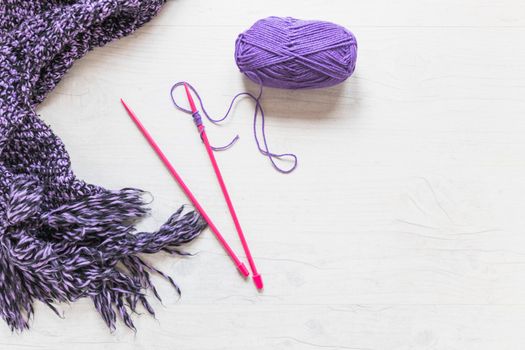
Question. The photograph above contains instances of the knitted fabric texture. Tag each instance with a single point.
(62, 239)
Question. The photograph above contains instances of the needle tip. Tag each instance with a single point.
(190, 98)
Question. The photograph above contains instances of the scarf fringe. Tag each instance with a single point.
(86, 248)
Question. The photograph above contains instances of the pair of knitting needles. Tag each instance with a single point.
(257, 279)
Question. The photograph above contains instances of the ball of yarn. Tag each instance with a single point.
(291, 53)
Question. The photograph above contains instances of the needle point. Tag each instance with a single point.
(190, 98)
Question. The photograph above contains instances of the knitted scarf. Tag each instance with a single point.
(62, 239)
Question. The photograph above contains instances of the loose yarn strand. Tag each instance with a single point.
(263, 148)
(285, 53)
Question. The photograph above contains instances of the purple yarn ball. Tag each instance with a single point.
(291, 53)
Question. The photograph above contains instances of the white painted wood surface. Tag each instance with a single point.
(402, 227)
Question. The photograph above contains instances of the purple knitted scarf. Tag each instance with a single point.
(62, 239)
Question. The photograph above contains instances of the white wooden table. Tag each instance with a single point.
(403, 226)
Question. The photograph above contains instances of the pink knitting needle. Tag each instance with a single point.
(240, 265)
(257, 279)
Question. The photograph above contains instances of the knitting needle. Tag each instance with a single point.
(257, 279)
(239, 264)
